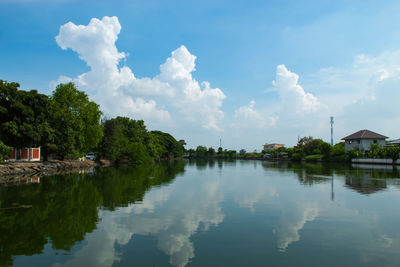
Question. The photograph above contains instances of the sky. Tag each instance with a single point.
(243, 72)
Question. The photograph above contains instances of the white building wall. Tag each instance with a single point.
(363, 143)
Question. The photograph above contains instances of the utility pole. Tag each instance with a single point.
(332, 190)
(331, 131)
(220, 142)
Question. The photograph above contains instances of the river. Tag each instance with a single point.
(205, 213)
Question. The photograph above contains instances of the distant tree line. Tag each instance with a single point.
(307, 148)
(311, 149)
(203, 152)
(67, 124)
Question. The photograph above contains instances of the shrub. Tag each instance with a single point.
(317, 157)
(297, 156)
(393, 152)
(4, 151)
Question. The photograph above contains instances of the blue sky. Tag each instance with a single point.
(343, 53)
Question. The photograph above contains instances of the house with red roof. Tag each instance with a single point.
(363, 140)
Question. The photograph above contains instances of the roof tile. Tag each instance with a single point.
(364, 134)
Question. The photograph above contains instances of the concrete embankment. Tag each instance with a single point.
(13, 168)
(376, 161)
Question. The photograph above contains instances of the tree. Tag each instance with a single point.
(338, 152)
(75, 120)
(338, 149)
(138, 153)
(201, 151)
(312, 146)
(4, 151)
(211, 152)
(231, 154)
(374, 151)
(354, 152)
(129, 139)
(24, 117)
(182, 142)
(393, 152)
(121, 140)
(304, 140)
(192, 153)
(166, 144)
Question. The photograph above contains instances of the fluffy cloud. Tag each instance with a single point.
(292, 94)
(173, 95)
(295, 112)
(248, 116)
(363, 95)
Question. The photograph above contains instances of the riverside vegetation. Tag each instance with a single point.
(307, 148)
(67, 125)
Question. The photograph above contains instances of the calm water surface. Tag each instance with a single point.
(239, 213)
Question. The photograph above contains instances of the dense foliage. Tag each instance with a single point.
(75, 121)
(65, 124)
(24, 117)
(203, 152)
(4, 151)
(128, 140)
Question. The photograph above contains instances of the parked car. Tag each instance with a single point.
(90, 156)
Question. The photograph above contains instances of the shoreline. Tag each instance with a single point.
(16, 168)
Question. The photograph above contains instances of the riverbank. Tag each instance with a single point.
(13, 168)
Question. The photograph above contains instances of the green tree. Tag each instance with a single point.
(192, 153)
(123, 138)
(167, 145)
(393, 152)
(4, 151)
(25, 118)
(354, 152)
(127, 139)
(211, 152)
(182, 142)
(138, 153)
(304, 140)
(374, 151)
(231, 154)
(75, 120)
(201, 151)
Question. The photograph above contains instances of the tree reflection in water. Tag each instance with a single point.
(64, 208)
(291, 200)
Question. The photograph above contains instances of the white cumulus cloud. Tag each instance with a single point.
(172, 95)
(292, 94)
(293, 112)
(248, 116)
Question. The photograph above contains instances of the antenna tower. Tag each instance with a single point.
(331, 131)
